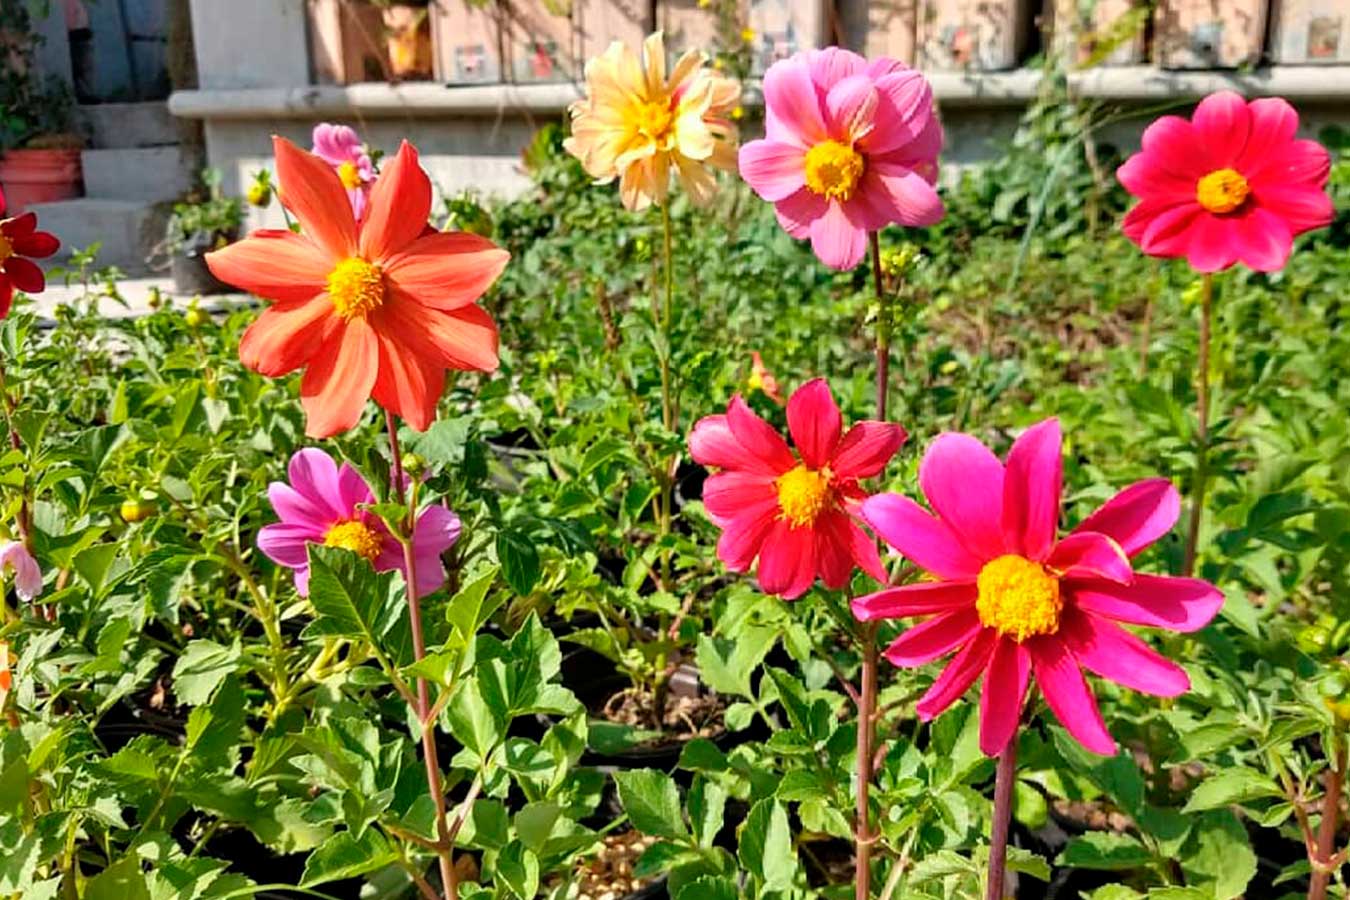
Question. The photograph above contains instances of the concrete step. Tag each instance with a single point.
(117, 125)
(126, 230)
(136, 173)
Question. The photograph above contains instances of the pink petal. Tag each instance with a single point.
(295, 508)
(958, 676)
(1108, 650)
(787, 561)
(834, 551)
(866, 449)
(832, 65)
(1148, 175)
(1274, 124)
(1301, 208)
(775, 171)
(919, 537)
(934, 638)
(352, 488)
(964, 483)
(1213, 246)
(839, 237)
(1138, 515)
(727, 494)
(904, 112)
(1158, 601)
(864, 549)
(1299, 163)
(314, 474)
(286, 544)
(796, 213)
(758, 437)
(1087, 554)
(791, 98)
(437, 530)
(711, 443)
(16, 558)
(1264, 240)
(897, 194)
(850, 107)
(301, 578)
(1005, 687)
(743, 537)
(922, 599)
(1031, 489)
(1062, 683)
(1170, 231)
(1176, 145)
(814, 422)
(1222, 125)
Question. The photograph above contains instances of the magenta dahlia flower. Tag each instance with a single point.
(1013, 599)
(321, 506)
(340, 146)
(850, 147)
(1233, 184)
(796, 514)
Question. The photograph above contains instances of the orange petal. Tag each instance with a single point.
(310, 188)
(338, 381)
(446, 271)
(274, 264)
(409, 386)
(287, 335)
(398, 207)
(465, 338)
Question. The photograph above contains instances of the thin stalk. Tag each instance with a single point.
(1323, 866)
(449, 877)
(867, 704)
(998, 841)
(883, 348)
(1202, 426)
(670, 421)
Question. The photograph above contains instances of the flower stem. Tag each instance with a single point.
(449, 877)
(670, 421)
(867, 706)
(998, 840)
(1202, 426)
(883, 328)
(1323, 866)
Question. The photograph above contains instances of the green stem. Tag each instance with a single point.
(1202, 426)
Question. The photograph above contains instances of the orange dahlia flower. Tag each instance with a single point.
(377, 308)
(637, 123)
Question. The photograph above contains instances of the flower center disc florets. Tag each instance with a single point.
(653, 119)
(833, 169)
(1222, 191)
(356, 536)
(1018, 598)
(803, 494)
(356, 288)
(349, 175)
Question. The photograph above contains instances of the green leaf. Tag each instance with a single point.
(350, 600)
(467, 610)
(1231, 786)
(707, 809)
(766, 846)
(709, 887)
(202, 667)
(519, 559)
(1219, 855)
(652, 802)
(120, 881)
(1104, 850)
(94, 563)
(727, 666)
(518, 868)
(344, 856)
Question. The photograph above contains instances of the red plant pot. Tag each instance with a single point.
(39, 176)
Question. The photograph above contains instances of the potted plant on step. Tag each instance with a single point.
(206, 220)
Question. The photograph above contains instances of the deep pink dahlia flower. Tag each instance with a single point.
(340, 146)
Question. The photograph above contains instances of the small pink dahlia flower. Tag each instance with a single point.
(850, 147)
(321, 506)
(1014, 599)
(1233, 184)
(17, 561)
(340, 146)
(794, 512)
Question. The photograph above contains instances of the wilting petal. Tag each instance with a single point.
(1138, 515)
(920, 538)
(964, 483)
(934, 638)
(1108, 650)
(814, 422)
(15, 559)
(1032, 488)
(1071, 700)
(1005, 687)
(922, 599)
(1158, 601)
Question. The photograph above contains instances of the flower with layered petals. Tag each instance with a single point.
(850, 147)
(322, 505)
(379, 308)
(20, 244)
(18, 563)
(637, 123)
(1232, 184)
(1013, 599)
(794, 512)
(340, 146)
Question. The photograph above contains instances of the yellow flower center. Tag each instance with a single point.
(356, 287)
(803, 494)
(653, 119)
(833, 169)
(1222, 191)
(1018, 597)
(355, 536)
(6, 248)
(349, 175)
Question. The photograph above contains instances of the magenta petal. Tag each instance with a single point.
(1264, 240)
(1138, 515)
(302, 581)
(352, 488)
(866, 449)
(295, 508)
(1158, 601)
(838, 237)
(920, 538)
(791, 97)
(286, 544)
(1301, 208)
(904, 111)
(964, 483)
(314, 474)
(1222, 124)
(437, 530)
(1005, 687)
(1173, 140)
(1274, 124)
(934, 638)
(787, 561)
(712, 443)
(922, 599)
(897, 194)
(814, 422)
(775, 171)
(864, 549)
(758, 437)
(727, 495)
(744, 535)
(1168, 232)
(1108, 650)
(1067, 692)
(831, 65)
(796, 213)
(1087, 554)
(1213, 245)
(958, 676)
(851, 108)
(1031, 490)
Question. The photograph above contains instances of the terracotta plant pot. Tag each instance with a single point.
(409, 37)
(39, 176)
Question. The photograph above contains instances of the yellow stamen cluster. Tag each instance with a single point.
(356, 288)
(358, 537)
(803, 494)
(1018, 598)
(833, 169)
(1222, 191)
(349, 175)
(653, 120)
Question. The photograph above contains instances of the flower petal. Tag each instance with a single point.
(35, 244)
(1032, 488)
(964, 483)
(1106, 649)
(445, 270)
(339, 379)
(797, 212)
(922, 599)
(791, 99)
(831, 65)
(897, 194)
(934, 638)
(864, 549)
(1222, 124)
(814, 422)
(407, 384)
(958, 676)
(287, 545)
(851, 108)
(399, 205)
(904, 112)
(1087, 554)
(866, 448)
(285, 336)
(787, 560)
(25, 274)
(1158, 601)
(1274, 124)
(1138, 515)
(743, 537)
(1005, 687)
(1070, 698)
(834, 549)
(727, 494)
(774, 170)
(919, 537)
(310, 188)
(758, 437)
(315, 477)
(839, 237)
(275, 264)
(1264, 240)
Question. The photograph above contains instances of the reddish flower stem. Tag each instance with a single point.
(867, 704)
(883, 329)
(1202, 426)
(449, 877)
(1324, 864)
(998, 839)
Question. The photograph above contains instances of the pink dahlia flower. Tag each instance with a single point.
(1014, 599)
(17, 561)
(1230, 185)
(341, 148)
(850, 147)
(794, 512)
(321, 506)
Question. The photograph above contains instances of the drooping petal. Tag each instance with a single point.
(743, 537)
(1005, 687)
(1138, 515)
(758, 437)
(1032, 488)
(1070, 698)
(919, 537)
(310, 188)
(922, 599)
(934, 638)
(1087, 554)
(775, 171)
(1106, 649)
(339, 380)
(814, 422)
(958, 676)
(964, 483)
(792, 99)
(285, 336)
(399, 205)
(275, 264)
(866, 448)
(787, 560)
(1158, 601)
(445, 270)
(15, 559)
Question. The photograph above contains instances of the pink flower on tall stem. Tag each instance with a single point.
(1013, 599)
(1232, 184)
(321, 505)
(340, 146)
(794, 512)
(16, 561)
(850, 147)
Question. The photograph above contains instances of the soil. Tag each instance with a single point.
(687, 716)
(609, 875)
